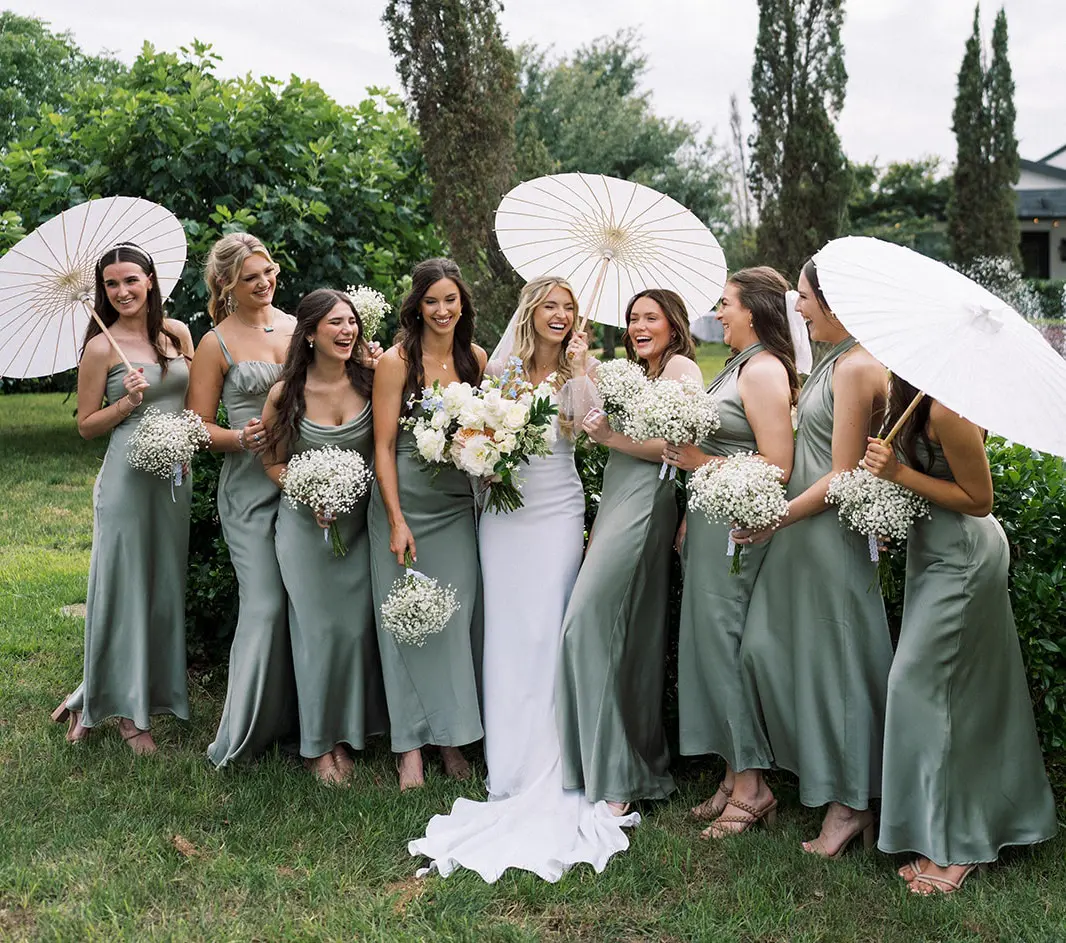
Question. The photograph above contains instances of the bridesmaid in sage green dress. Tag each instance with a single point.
(323, 399)
(816, 649)
(432, 691)
(963, 773)
(755, 392)
(237, 362)
(135, 607)
(612, 658)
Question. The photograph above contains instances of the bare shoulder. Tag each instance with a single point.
(97, 352)
(392, 365)
(859, 365)
(181, 331)
(764, 366)
(479, 353)
(678, 367)
(944, 420)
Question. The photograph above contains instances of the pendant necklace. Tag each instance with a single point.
(265, 328)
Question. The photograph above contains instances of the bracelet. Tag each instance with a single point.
(240, 440)
(132, 406)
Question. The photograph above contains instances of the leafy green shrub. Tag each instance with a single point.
(1052, 295)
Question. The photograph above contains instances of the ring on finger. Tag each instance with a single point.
(256, 437)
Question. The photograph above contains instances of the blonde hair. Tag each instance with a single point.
(223, 269)
(533, 294)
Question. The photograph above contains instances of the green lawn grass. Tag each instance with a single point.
(97, 845)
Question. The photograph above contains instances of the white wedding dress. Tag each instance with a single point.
(529, 561)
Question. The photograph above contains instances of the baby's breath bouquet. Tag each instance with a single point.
(371, 307)
(880, 509)
(676, 410)
(330, 481)
(742, 490)
(507, 422)
(164, 443)
(619, 383)
(417, 607)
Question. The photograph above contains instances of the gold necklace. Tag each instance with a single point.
(265, 328)
(443, 365)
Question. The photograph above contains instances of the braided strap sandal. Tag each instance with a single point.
(710, 809)
(767, 814)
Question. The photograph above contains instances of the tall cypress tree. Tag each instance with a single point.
(967, 208)
(798, 173)
(1003, 231)
(462, 85)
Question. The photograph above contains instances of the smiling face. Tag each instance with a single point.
(737, 330)
(441, 307)
(127, 286)
(553, 318)
(820, 325)
(336, 335)
(649, 330)
(256, 284)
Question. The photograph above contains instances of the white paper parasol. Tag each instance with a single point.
(47, 281)
(609, 238)
(949, 337)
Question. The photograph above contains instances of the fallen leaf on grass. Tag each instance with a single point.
(405, 891)
(185, 847)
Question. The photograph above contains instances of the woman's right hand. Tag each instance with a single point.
(254, 435)
(402, 543)
(679, 540)
(135, 384)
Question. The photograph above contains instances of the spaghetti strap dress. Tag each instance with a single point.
(964, 775)
(816, 649)
(135, 607)
(260, 706)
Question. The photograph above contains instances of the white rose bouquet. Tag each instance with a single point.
(743, 491)
(507, 421)
(371, 307)
(875, 507)
(676, 410)
(164, 443)
(417, 607)
(330, 481)
(434, 420)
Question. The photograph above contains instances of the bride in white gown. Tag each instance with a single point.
(529, 561)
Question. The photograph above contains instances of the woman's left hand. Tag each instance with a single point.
(687, 457)
(880, 460)
(324, 518)
(752, 538)
(597, 426)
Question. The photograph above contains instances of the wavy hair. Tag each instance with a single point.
(673, 307)
(409, 339)
(761, 289)
(222, 270)
(534, 294)
(155, 320)
(292, 406)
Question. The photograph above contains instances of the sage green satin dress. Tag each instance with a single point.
(964, 775)
(432, 690)
(716, 713)
(135, 607)
(816, 649)
(260, 706)
(339, 689)
(612, 658)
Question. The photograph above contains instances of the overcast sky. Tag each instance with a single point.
(902, 55)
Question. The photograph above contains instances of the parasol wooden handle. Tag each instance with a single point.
(107, 333)
(887, 440)
(594, 302)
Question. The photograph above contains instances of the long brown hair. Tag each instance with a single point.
(673, 306)
(761, 289)
(222, 269)
(154, 319)
(533, 294)
(292, 406)
(409, 340)
(916, 428)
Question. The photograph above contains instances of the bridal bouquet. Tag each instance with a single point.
(507, 421)
(371, 307)
(417, 607)
(164, 443)
(619, 383)
(875, 507)
(743, 491)
(676, 410)
(328, 481)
